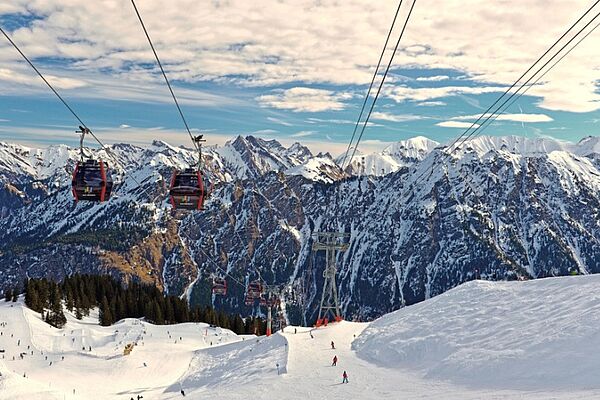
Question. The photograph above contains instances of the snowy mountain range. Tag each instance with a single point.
(420, 223)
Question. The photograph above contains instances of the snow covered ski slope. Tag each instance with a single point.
(483, 340)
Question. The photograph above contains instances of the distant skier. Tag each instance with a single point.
(334, 363)
(311, 335)
(344, 377)
(139, 397)
(332, 345)
(182, 393)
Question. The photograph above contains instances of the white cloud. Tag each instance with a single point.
(396, 117)
(279, 121)
(264, 132)
(404, 93)
(337, 122)
(329, 121)
(431, 104)
(218, 41)
(436, 78)
(510, 117)
(303, 99)
(31, 79)
(456, 124)
(19, 81)
(303, 133)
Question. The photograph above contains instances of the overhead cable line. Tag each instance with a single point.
(64, 102)
(51, 87)
(371, 84)
(383, 79)
(495, 112)
(165, 75)
(445, 154)
(529, 86)
(475, 124)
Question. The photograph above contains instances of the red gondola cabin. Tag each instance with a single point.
(92, 181)
(188, 189)
(219, 286)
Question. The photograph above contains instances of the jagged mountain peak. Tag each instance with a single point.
(414, 148)
(589, 145)
(515, 144)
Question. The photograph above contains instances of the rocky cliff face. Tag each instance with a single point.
(500, 208)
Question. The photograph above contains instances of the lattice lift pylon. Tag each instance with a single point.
(331, 242)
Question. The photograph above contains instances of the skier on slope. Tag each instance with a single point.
(344, 377)
(334, 363)
(332, 345)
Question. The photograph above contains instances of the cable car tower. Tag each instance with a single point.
(331, 242)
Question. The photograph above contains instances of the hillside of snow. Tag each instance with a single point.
(483, 340)
(533, 335)
(86, 361)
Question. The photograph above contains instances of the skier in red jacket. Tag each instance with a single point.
(345, 377)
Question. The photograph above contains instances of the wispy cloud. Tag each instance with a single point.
(265, 132)
(456, 124)
(396, 117)
(431, 104)
(303, 133)
(510, 117)
(279, 121)
(405, 93)
(304, 99)
(436, 78)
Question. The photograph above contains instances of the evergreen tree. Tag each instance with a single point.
(248, 326)
(238, 325)
(32, 299)
(84, 292)
(158, 314)
(78, 313)
(105, 316)
(56, 316)
(8, 295)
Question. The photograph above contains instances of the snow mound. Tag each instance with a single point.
(532, 335)
(239, 363)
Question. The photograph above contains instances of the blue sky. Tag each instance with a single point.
(244, 69)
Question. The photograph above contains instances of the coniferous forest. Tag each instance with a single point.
(81, 293)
